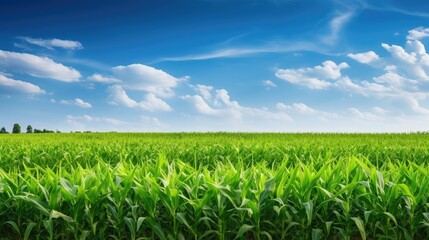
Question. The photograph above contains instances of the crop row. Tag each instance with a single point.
(214, 186)
(345, 199)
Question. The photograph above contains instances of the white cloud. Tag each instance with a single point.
(119, 96)
(268, 84)
(282, 107)
(329, 76)
(318, 77)
(335, 26)
(368, 116)
(418, 33)
(415, 106)
(200, 105)
(152, 122)
(399, 53)
(77, 102)
(40, 67)
(19, 86)
(406, 72)
(204, 91)
(150, 103)
(414, 63)
(88, 118)
(405, 77)
(146, 78)
(221, 106)
(295, 107)
(395, 80)
(380, 111)
(364, 88)
(304, 110)
(112, 121)
(53, 43)
(244, 51)
(369, 57)
(103, 79)
(80, 103)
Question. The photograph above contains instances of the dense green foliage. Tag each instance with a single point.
(16, 128)
(214, 186)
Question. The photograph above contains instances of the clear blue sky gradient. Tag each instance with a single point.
(215, 65)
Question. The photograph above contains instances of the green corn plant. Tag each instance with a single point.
(214, 186)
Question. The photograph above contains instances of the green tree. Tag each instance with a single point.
(16, 128)
(29, 129)
(3, 130)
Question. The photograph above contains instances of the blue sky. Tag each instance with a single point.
(215, 65)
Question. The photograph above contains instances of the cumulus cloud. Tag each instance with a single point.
(80, 103)
(103, 79)
(395, 80)
(53, 43)
(204, 91)
(318, 77)
(405, 78)
(414, 62)
(40, 67)
(220, 105)
(399, 53)
(151, 102)
(77, 102)
(19, 86)
(329, 75)
(146, 78)
(418, 33)
(369, 57)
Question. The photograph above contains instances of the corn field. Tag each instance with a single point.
(214, 186)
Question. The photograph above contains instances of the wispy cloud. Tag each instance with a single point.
(389, 8)
(103, 79)
(77, 102)
(268, 84)
(234, 52)
(53, 43)
(88, 118)
(336, 24)
(86, 62)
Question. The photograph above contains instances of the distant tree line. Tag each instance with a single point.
(17, 129)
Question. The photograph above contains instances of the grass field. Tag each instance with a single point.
(214, 186)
